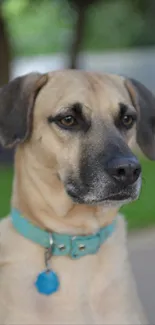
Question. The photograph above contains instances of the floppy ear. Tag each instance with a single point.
(144, 102)
(16, 107)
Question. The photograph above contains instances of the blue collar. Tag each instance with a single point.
(62, 244)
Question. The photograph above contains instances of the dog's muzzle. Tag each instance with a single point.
(115, 180)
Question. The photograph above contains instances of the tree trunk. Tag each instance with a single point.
(6, 156)
(77, 37)
(4, 52)
(151, 13)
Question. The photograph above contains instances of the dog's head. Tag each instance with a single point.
(81, 125)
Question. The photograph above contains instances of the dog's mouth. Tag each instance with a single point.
(112, 198)
(107, 200)
(117, 197)
(109, 193)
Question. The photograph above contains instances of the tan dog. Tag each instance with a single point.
(73, 171)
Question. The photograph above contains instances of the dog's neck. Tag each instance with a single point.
(40, 196)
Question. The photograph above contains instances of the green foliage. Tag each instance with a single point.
(35, 27)
(15, 8)
(45, 26)
(110, 26)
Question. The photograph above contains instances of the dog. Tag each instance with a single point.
(74, 168)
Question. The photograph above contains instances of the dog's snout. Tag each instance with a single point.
(124, 170)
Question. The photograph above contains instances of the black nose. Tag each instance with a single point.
(124, 170)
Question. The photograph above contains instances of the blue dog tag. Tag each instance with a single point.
(47, 282)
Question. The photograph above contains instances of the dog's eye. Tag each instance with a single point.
(127, 121)
(67, 121)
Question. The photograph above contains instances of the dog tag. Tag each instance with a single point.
(47, 281)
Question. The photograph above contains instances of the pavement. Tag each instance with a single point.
(135, 63)
(142, 256)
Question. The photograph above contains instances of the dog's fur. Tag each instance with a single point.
(60, 184)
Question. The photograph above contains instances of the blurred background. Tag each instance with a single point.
(116, 36)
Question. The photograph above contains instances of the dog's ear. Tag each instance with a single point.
(16, 107)
(144, 102)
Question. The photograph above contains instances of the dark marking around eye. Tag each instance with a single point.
(77, 108)
(124, 111)
(50, 119)
(74, 110)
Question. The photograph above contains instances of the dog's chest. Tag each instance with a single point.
(81, 286)
(92, 289)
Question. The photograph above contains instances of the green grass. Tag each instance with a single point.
(6, 176)
(140, 214)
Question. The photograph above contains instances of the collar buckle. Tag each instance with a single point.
(85, 245)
